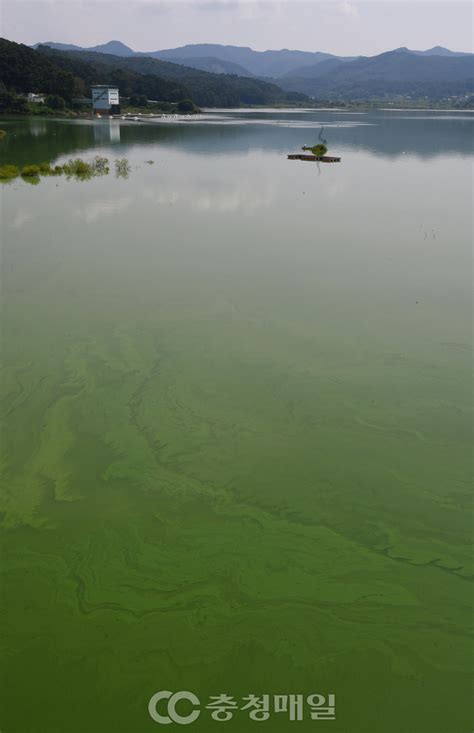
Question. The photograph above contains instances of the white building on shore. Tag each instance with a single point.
(105, 99)
(35, 98)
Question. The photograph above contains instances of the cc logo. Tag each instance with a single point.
(173, 715)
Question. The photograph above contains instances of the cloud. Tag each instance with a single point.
(349, 10)
(95, 210)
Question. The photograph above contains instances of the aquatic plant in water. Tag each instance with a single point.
(101, 166)
(78, 168)
(74, 168)
(30, 171)
(8, 172)
(122, 168)
(319, 149)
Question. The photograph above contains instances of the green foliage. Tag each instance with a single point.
(138, 100)
(54, 101)
(74, 168)
(163, 107)
(32, 180)
(82, 169)
(185, 106)
(7, 172)
(10, 102)
(23, 70)
(78, 168)
(319, 150)
(2, 134)
(139, 86)
(30, 171)
(100, 166)
(122, 168)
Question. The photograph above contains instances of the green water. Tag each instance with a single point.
(237, 442)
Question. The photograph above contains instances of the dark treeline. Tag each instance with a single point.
(23, 70)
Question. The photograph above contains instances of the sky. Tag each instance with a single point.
(345, 27)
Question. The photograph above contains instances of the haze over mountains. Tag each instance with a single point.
(245, 59)
(436, 73)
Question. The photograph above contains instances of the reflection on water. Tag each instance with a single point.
(38, 127)
(107, 131)
(384, 133)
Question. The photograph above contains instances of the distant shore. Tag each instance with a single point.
(137, 115)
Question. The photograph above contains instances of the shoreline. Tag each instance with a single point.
(137, 116)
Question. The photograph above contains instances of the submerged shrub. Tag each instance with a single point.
(78, 168)
(122, 168)
(81, 168)
(101, 166)
(45, 168)
(30, 171)
(7, 172)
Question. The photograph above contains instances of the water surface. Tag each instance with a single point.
(237, 442)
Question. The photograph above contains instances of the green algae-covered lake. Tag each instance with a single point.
(237, 440)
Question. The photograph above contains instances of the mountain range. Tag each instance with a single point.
(240, 60)
(436, 73)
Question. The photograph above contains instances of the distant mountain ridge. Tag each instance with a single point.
(117, 48)
(436, 73)
(394, 73)
(258, 63)
(436, 51)
(242, 60)
(208, 63)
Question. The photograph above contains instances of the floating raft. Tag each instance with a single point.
(317, 158)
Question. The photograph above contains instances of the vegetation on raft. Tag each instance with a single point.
(75, 168)
(318, 150)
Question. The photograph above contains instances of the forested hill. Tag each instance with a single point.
(204, 88)
(70, 75)
(23, 70)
